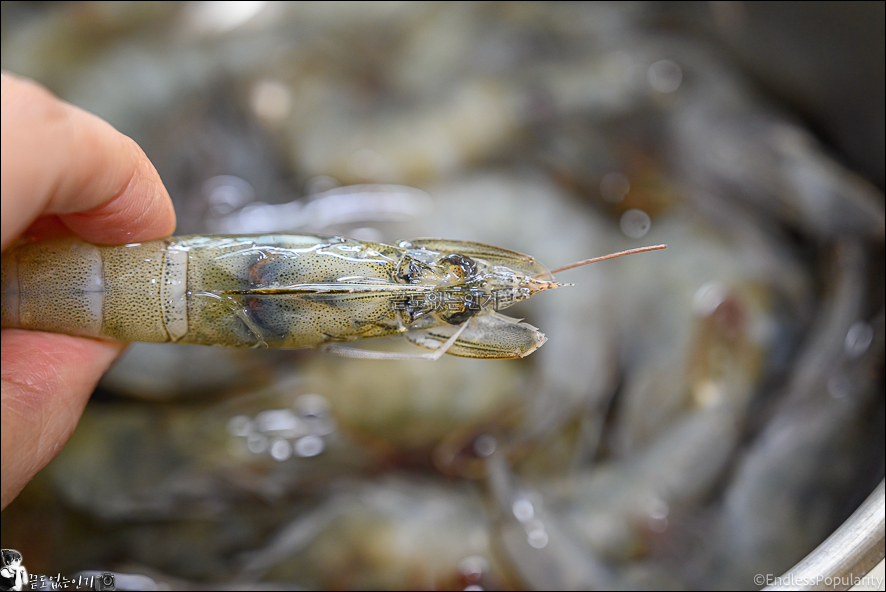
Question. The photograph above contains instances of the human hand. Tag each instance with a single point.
(63, 171)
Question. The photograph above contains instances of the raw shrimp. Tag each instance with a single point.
(282, 291)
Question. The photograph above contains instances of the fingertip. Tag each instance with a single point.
(142, 210)
(59, 159)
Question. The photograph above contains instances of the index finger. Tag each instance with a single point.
(59, 159)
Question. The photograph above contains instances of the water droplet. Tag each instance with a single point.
(523, 509)
(657, 508)
(614, 187)
(280, 449)
(314, 411)
(257, 443)
(309, 446)
(226, 193)
(239, 425)
(276, 420)
(473, 567)
(665, 76)
(485, 445)
(707, 298)
(858, 339)
(839, 387)
(538, 538)
(635, 223)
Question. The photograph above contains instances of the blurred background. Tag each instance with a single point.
(698, 415)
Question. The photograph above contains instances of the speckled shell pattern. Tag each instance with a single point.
(210, 290)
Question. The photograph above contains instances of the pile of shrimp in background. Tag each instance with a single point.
(698, 415)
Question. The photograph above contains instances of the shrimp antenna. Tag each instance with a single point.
(610, 256)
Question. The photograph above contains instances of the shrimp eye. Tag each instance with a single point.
(458, 265)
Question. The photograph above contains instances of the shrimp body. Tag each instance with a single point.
(281, 291)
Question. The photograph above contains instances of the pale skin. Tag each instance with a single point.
(64, 171)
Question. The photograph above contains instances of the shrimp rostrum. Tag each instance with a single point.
(281, 291)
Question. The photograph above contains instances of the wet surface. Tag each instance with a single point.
(697, 416)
